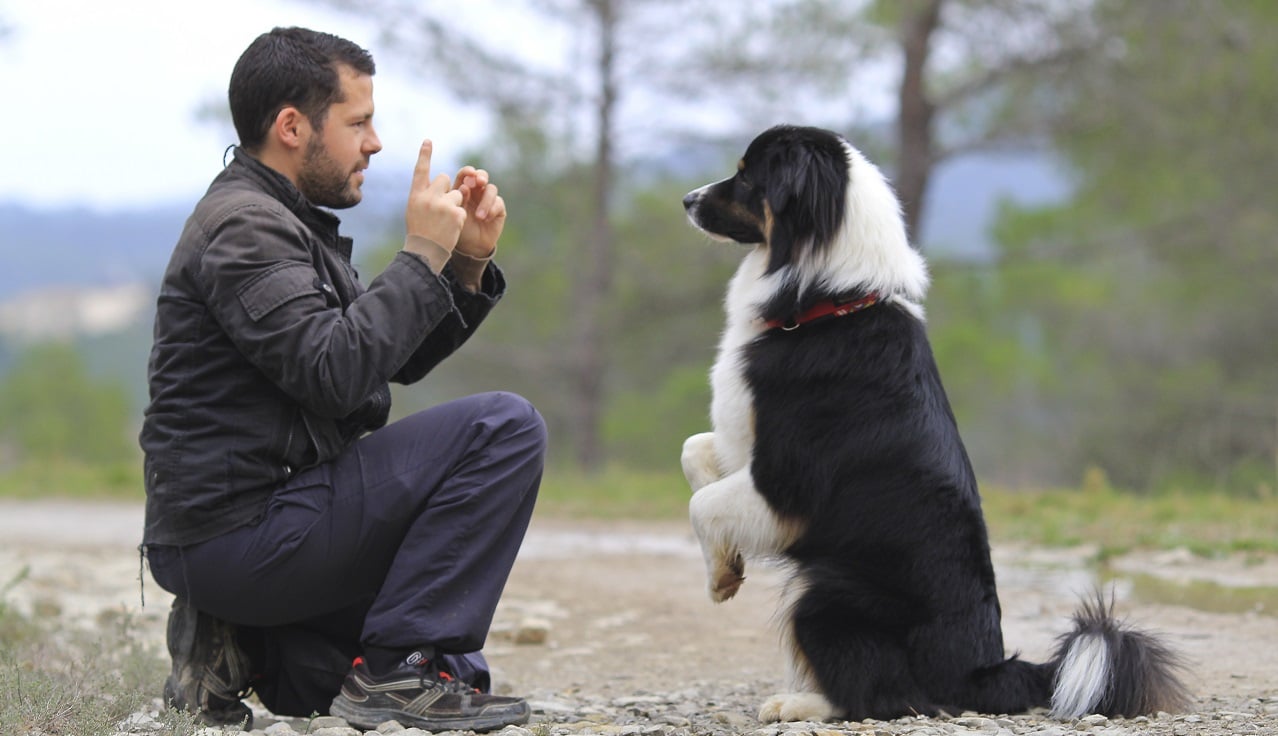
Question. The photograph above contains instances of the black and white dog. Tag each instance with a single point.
(834, 448)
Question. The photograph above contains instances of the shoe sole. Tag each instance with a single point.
(371, 718)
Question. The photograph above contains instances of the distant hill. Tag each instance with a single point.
(42, 248)
(76, 247)
(70, 247)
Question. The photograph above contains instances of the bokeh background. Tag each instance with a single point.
(1092, 183)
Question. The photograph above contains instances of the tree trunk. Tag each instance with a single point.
(914, 123)
(597, 265)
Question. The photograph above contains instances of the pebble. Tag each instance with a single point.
(728, 709)
(342, 730)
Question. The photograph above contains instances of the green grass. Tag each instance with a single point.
(53, 478)
(1207, 522)
(75, 683)
(615, 493)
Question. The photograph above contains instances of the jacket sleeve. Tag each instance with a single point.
(260, 284)
(470, 310)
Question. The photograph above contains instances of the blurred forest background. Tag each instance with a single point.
(1123, 332)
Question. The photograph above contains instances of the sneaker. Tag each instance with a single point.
(210, 672)
(419, 694)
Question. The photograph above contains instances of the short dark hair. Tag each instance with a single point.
(289, 66)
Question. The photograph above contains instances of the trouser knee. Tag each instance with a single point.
(518, 420)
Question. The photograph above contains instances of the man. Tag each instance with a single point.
(326, 561)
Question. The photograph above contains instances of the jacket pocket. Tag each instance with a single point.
(275, 286)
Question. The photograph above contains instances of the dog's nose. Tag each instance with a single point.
(689, 199)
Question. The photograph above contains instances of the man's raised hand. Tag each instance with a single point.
(486, 213)
(435, 210)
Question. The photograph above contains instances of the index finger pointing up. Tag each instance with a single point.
(421, 172)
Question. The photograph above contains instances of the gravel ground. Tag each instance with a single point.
(606, 628)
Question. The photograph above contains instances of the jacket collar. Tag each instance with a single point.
(278, 186)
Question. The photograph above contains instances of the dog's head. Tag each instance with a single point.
(826, 215)
(790, 187)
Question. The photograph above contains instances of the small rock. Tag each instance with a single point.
(1095, 719)
(390, 727)
(318, 722)
(280, 729)
(983, 724)
(337, 731)
(532, 631)
(627, 701)
(551, 707)
(735, 720)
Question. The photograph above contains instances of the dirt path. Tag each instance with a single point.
(622, 632)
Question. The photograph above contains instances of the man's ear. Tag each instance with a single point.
(291, 127)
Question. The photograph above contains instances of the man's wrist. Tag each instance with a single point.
(435, 255)
(469, 269)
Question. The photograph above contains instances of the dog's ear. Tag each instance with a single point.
(805, 195)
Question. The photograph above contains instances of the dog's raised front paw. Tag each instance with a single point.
(796, 707)
(700, 463)
(727, 578)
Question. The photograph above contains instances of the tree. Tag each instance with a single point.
(964, 69)
(622, 42)
(1153, 286)
(659, 318)
(51, 410)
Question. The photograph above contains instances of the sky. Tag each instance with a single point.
(100, 100)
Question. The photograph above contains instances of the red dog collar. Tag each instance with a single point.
(828, 308)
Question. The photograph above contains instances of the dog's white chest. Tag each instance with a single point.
(732, 407)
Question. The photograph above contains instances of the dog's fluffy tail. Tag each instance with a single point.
(1105, 666)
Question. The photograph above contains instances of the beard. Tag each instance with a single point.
(323, 181)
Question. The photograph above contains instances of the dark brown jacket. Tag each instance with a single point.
(271, 357)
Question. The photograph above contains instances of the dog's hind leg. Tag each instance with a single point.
(857, 668)
(804, 701)
(732, 522)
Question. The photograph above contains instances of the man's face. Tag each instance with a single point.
(337, 154)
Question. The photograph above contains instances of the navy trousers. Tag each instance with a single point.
(405, 540)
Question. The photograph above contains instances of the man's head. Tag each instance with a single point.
(302, 102)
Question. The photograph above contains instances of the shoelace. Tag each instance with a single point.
(444, 680)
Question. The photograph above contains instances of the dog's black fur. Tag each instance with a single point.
(894, 608)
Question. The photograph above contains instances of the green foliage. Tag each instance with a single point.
(1151, 290)
(661, 319)
(51, 410)
(646, 428)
